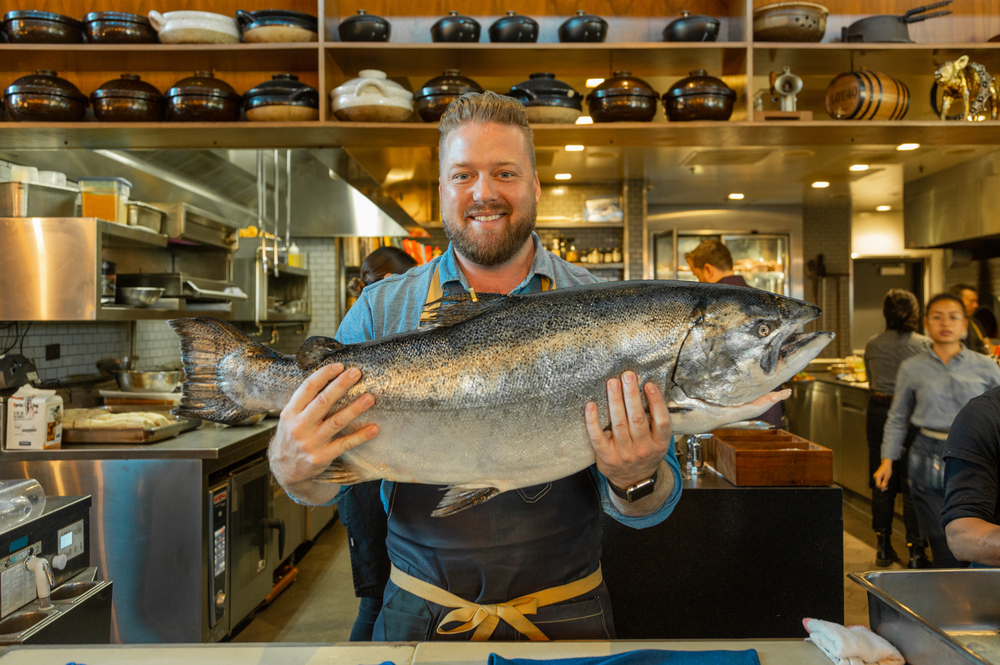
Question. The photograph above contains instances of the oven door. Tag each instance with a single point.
(250, 515)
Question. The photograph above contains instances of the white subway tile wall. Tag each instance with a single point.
(826, 230)
(81, 345)
(156, 344)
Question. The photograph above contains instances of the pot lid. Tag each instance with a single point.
(363, 17)
(129, 85)
(512, 17)
(455, 17)
(687, 17)
(699, 83)
(45, 82)
(42, 16)
(545, 83)
(391, 87)
(623, 83)
(123, 17)
(792, 5)
(583, 17)
(280, 17)
(204, 84)
(282, 88)
(451, 82)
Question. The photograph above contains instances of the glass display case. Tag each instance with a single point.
(762, 259)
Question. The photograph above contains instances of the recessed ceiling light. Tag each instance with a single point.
(584, 120)
(884, 208)
(821, 184)
(736, 196)
(574, 148)
(859, 167)
(558, 191)
(593, 83)
(907, 146)
(563, 176)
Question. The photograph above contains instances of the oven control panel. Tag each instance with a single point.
(218, 524)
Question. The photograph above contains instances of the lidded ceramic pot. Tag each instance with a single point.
(203, 98)
(699, 97)
(455, 28)
(35, 27)
(190, 27)
(273, 26)
(623, 98)
(434, 96)
(546, 99)
(128, 99)
(583, 27)
(514, 28)
(282, 99)
(44, 97)
(364, 27)
(692, 28)
(372, 97)
(118, 28)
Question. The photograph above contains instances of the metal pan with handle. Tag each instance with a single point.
(891, 29)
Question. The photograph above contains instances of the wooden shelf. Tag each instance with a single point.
(896, 59)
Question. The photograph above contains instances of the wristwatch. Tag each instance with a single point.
(635, 492)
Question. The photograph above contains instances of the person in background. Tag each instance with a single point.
(974, 339)
(360, 510)
(883, 355)
(931, 388)
(712, 263)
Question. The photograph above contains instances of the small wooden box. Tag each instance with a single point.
(765, 458)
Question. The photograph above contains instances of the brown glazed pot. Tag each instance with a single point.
(546, 99)
(118, 28)
(364, 27)
(623, 98)
(128, 99)
(34, 27)
(44, 97)
(282, 99)
(203, 98)
(434, 96)
(699, 97)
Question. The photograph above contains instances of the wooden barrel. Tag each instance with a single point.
(867, 95)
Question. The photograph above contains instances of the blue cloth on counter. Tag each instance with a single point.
(646, 657)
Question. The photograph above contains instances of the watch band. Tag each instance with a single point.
(635, 492)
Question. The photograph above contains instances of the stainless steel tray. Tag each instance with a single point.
(129, 435)
(936, 617)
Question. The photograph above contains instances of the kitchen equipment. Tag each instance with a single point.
(699, 97)
(118, 28)
(623, 98)
(277, 25)
(786, 86)
(434, 96)
(105, 198)
(889, 29)
(44, 97)
(283, 98)
(364, 27)
(20, 199)
(148, 382)
(146, 216)
(203, 98)
(692, 28)
(186, 222)
(372, 97)
(51, 178)
(137, 296)
(190, 27)
(16, 371)
(767, 458)
(128, 99)
(790, 22)
(546, 99)
(210, 294)
(21, 173)
(867, 95)
(583, 27)
(514, 28)
(108, 366)
(108, 284)
(455, 28)
(35, 27)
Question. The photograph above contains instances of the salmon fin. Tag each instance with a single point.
(453, 309)
(204, 343)
(315, 350)
(460, 497)
(343, 472)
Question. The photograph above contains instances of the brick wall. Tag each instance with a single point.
(826, 230)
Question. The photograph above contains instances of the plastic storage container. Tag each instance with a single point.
(20, 500)
(106, 198)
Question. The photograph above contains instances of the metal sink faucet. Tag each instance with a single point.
(43, 580)
(695, 454)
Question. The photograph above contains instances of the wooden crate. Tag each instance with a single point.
(764, 458)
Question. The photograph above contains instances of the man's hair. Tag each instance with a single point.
(901, 310)
(483, 108)
(945, 296)
(958, 288)
(712, 252)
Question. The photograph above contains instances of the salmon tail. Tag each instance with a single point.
(204, 343)
(460, 497)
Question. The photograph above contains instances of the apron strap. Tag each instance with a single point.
(435, 293)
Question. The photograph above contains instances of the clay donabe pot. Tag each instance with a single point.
(34, 27)
(434, 96)
(203, 98)
(44, 97)
(128, 99)
(514, 28)
(118, 28)
(277, 26)
(282, 99)
(699, 97)
(455, 28)
(547, 100)
(692, 28)
(623, 98)
(583, 27)
(364, 27)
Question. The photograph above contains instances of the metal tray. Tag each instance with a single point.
(129, 435)
(936, 617)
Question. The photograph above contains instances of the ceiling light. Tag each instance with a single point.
(593, 83)
(859, 167)
(558, 191)
(574, 148)
(821, 184)
(884, 208)
(736, 196)
(907, 146)
(563, 176)
(584, 120)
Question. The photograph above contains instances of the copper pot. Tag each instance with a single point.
(128, 99)
(44, 97)
(434, 96)
(203, 98)
(623, 98)
(699, 97)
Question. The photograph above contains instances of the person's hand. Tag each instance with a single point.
(307, 440)
(635, 447)
(883, 474)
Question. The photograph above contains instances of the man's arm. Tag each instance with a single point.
(974, 539)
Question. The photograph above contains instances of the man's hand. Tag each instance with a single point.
(307, 438)
(635, 448)
(883, 474)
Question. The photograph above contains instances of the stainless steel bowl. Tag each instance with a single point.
(149, 382)
(137, 296)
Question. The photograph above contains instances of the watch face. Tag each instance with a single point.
(640, 490)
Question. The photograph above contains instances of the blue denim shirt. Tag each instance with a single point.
(393, 305)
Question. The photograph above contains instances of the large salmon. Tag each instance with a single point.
(490, 395)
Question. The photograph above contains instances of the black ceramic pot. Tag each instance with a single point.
(692, 28)
(128, 99)
(434, 96)
(34, 27)
(455, 28)
(44, 97)
(203, 98)
(364, 27)
(282, 99)
(623, 98)
(277, 25)
(583, 27)
(546, 99)
(699, 97)
(514, 28)
(118, 28)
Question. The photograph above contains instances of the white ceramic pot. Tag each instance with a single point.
(189, 27)
(372, 97)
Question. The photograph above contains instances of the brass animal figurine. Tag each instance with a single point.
(970, 82)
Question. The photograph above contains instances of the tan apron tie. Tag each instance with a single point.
(485, 618)
(434, 293)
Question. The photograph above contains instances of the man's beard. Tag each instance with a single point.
(492, 247)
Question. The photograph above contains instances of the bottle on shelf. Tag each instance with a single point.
(608, 255)
(571, 255)
(616, 255)
(294, 256)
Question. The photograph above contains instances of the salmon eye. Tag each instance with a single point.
(764, 330)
